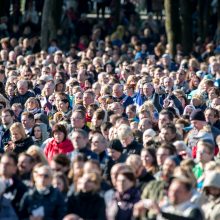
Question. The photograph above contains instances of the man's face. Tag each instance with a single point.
(163, 120)
(7, 167)
(98, 144)
(24, 164)
(197, 124)
(7, 119)
(77, 121)
(79, 142)
(168, 167)
(117, 91)
(167, 135)
(87, 99)
(203, 154)
(26, 122)
(162, 154)
(178, 193)
(22, 88)
(147, 90)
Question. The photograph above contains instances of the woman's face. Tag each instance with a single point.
(123, 183)
(37, 132)
(196, 82)
(146, 158)
(58, 183)
(16, 135)
(31, 105)
(95, 121)
(85, 184)
(58, 136)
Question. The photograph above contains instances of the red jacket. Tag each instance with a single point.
(53, 148)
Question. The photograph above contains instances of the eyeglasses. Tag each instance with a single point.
(202, 152)
(76, 118)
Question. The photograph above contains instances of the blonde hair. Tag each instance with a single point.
(124, 131)
(37, 153)
(18, 127)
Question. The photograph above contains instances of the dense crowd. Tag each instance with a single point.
(110, 127)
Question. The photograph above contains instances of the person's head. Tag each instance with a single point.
(31, 104)
(211, 115)
(125, 181)
(134, 161)
(168, 133)
(27, 120)
(211, 184)
(79, 139)
(144, 124)
(125, 135)
(59, 133)
(115, 149)
(105, 127)
(98, 143)
(205, 151)
(37, 131)
(131, 111)
(165, 117)
(98, 117)
(37, 154)
(197, 119)
(180, 191)
(17, 109)
(8, 165)
(148, 158)
(148, 89)
(89, 182)
(88, 97)
(117, 108)
(165, 150)
(60, 182)
(117, 90)
(43, 177)
(169, 165)
(25, 163)
(60, 163)
(22, 87)
(17, 132)
(78, 119)
(7, 117)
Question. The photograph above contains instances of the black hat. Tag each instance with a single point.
(116, 145)
(197, 114)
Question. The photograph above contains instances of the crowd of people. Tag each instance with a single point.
(113, 127)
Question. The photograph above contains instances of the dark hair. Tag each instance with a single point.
(170, 126)
(29, 115)
(215, 111)
(61, 128)
(62, 159)
(106, 125)
(168, 113)
(12, 156)
(31, 159)
(152, 152)
(10, 111)
(129, 175)
(170, 147)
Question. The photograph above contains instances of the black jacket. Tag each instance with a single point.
(23, 145)
(52, 202)
(133, 148)
(14, 192)
(87, 206)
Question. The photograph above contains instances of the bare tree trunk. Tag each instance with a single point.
(50, 21)
(172, 24)
(203, 9)
(186, 24)
(46, 16)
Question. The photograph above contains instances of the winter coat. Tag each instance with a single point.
(53, 148)
(15, 190)
(121, 206)
(51, 201)
(87, 206)
(6, 211)
(23, 145)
